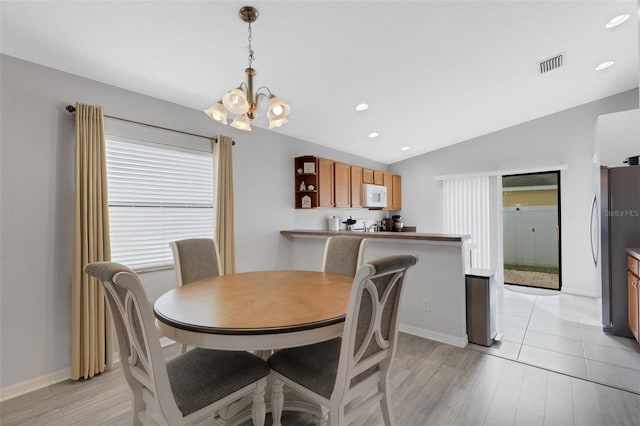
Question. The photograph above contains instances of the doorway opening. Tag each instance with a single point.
(531, 230)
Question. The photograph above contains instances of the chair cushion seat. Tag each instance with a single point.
(201, 376)
(314, 366)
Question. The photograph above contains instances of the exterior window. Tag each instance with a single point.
(157, 194)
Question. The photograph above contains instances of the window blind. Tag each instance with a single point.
(467, 210)
(157, 194)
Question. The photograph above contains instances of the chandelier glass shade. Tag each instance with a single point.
(243, 101)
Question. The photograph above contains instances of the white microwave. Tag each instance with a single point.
(374, 195)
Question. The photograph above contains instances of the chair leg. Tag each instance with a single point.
(277, 401)
(259, 409)
(184, 349)
(139, 408)
(385, 404)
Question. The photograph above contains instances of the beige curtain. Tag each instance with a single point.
(225, 234)
(91, 330)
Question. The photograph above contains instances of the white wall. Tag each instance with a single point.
(617, 137)
(36, 184)
(562, 138)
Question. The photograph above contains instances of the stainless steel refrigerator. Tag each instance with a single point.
(619, 207)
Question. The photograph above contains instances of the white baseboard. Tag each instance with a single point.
(579, 291)
(460, 342)
(36, 383)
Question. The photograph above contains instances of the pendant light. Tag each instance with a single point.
(242, 101)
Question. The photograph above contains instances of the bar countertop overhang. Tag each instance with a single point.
(415, 236)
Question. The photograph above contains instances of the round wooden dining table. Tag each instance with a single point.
(260, 311)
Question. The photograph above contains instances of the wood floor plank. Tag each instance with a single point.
(431, 384)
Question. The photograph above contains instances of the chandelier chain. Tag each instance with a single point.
(250, 48)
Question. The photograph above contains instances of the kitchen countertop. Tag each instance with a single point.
(388, 235)
(633, 251)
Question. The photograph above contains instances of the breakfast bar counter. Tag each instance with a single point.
(388, 235)
(433, 302)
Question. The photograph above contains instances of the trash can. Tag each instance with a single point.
(481, 306)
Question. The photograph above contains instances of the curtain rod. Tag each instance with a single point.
(72, 109)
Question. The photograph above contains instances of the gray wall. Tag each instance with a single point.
(564, 138)
(36, 184)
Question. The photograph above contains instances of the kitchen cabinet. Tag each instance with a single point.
(375, 177)
(306, 177)
(342, 186)
(326, 197)
(396, 199)
(393, 183)
(356, 186)
(633, 266)
(378, 177)
(322, 182)
(367, 175)
(387, 181)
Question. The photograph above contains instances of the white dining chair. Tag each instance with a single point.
(189, 388)
(353, 370)
(195, 259)
(342, 255)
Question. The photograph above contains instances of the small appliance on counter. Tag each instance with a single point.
(333, 224)
(397, 223)
(350, 223)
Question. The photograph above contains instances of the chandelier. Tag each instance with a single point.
(242, 101)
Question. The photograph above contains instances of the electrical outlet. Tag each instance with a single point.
(426, 303)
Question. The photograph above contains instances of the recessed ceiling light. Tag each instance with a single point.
(614, 22)
(405, 148)
(604, 65)
(362, 107)
(374, 135)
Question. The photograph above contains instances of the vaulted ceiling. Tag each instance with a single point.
(433, 73)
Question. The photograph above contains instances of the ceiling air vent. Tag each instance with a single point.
(552, 63)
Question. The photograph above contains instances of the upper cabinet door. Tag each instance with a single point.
(378, 177)
(367, 175)
(325, 183)
(396, 199)
(356, 186)
(342, 179)
(387, 181)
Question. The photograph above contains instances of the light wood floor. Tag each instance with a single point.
(433, 384)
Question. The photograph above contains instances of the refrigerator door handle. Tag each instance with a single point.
(594, 232)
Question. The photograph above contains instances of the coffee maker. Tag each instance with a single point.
(397, 222)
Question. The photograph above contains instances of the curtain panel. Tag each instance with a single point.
(91, 330)
(225, 228)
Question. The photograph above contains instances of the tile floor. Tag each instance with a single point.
(562, 332)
